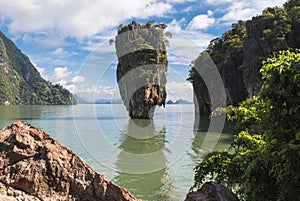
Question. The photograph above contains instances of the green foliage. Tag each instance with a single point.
(240, 51)
(144, 44)
(21, 83)
(263, 160)
(248, 113)
(281, 91)
(230, 44)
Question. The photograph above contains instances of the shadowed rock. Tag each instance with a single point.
(34, 164)
(212, 191)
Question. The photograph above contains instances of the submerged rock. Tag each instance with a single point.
(33, 166)
(212, 191)
(142, 68)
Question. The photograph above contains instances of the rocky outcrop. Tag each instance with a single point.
(212, 191)
(33, 166)
(11, 194)
(238, 55)
(142, 68)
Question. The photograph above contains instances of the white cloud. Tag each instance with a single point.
(78, 79)
(244, 10)
(180, 1)
(42, 38)
(58, 51)
(63, 83)
(79, 85)
(187, 9)
(264, 4)
(64, 77)
(60, 73)
(175, 26)
(93, 92)
(218, 2)
(237, 11)
(106, 91)
(202, 21)
(186, 44)
(158, 9)
(76, 18)
(179, 90)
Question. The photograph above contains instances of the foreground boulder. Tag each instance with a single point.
(33, 166)
(10, 194)
(212, 191)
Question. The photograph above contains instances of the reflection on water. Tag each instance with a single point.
(142, 150)
(141, 137)
(152, 159)
(203, 130)
(29, 113)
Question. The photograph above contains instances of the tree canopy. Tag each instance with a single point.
(263, 160)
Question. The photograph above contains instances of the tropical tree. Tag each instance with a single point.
(263, 160)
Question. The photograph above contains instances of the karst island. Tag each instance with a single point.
(142, 67)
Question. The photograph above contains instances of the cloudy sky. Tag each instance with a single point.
(67, 40)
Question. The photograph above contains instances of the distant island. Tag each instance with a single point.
(180, 101)
(22, 84)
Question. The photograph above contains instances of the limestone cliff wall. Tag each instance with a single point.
(238, 55)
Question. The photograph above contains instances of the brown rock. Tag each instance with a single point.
(212, 191)
(37, 165)
(10, 194)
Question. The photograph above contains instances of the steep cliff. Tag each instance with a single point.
(33, 166)
(21, 83)
(239, 53)
(142, 68)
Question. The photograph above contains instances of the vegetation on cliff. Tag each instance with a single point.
(239, 52)
(263, 159)
(21, 83)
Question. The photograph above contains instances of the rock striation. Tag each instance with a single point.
(33, 166)
(212, 191)
(142, 68)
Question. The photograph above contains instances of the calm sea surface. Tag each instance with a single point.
(154, 160)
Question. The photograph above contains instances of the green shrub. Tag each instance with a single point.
(263, 160)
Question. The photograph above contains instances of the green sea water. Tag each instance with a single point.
(153, 159)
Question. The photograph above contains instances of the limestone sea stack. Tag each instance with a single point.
(33, 166)
(142, 67)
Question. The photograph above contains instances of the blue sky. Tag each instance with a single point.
(67, 40)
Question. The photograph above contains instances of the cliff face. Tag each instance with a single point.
(142, 68)
(21, 83)
(34, 166)
(238, 55)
